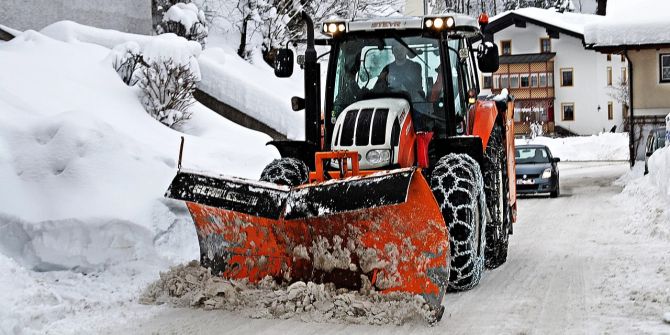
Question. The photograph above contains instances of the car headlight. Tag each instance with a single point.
(378, 156)
(547, 173)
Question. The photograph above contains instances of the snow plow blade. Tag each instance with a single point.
(383, 230)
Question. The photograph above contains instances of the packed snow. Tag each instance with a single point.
(628, 22)
(602, 147)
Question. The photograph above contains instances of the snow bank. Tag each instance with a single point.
(631, 23)
(83, 169)
(251, 89)
(192, 285)
(649, 196)
(602, 147)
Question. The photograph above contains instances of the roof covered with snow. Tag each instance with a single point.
(636, 23)
(570, 23)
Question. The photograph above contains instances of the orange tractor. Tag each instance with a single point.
(407, 183)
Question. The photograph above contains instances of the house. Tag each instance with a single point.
(556, 81)
(133, 16)
(638, 30)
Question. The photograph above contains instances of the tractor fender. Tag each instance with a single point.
(483, 119)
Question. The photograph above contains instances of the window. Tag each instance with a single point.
(566, 77)
(506, 47)
(609, 57)
(624, 75)
(543, 80)
(525, 81)
(487, 82)
(610, 110)
(514, 81)
(504, 81)
(568, 110)
(550, 80)
(609, 76)
(665, 68)
(496, 82)
(533, 80)
(545, 45)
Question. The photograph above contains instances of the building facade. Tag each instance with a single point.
(555, 80)
(133, 16)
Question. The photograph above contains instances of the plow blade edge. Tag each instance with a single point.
(384, 230)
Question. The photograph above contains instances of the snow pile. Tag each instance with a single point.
(250, 88)
(83, 169)
(602, 147)
(650, 197)
(192, 285)
(574, 22)
(629, 22)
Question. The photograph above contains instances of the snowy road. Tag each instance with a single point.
(571, 270)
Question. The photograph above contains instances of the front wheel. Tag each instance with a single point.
(496, 189)
(286, 171)
(458, 187)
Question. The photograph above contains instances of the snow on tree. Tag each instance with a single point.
(126, 60)
(186, 20)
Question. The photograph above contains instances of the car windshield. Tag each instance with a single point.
(531, 156)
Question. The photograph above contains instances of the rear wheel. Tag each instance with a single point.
(286, 171)
(496, 188)
(457, 184)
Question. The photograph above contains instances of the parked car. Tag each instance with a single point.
(655, 141)
(536, 170)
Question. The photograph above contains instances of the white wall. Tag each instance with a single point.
(590, 78)
(133, 16)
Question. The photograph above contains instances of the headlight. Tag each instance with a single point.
(547, 173)
(378, 156)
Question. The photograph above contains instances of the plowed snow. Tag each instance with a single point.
(192, 285)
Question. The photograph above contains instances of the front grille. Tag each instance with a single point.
(522, 187)
(528, 176)
(348, 127)
(363, 127)
(379, 126)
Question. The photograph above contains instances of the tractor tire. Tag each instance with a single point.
(286, 171)
(496, 188)
(458, 187)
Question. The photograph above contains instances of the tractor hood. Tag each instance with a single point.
(371, 128)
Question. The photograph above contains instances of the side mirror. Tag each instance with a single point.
(284, 63)
(297, 104)
(487, 58)
(556, 160)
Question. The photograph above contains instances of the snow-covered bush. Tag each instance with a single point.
(168, 78)
(186, 20)
(126, 60)
(167, 91)
(165, 69)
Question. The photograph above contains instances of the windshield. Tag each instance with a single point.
(373, 67)
(531, 156)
